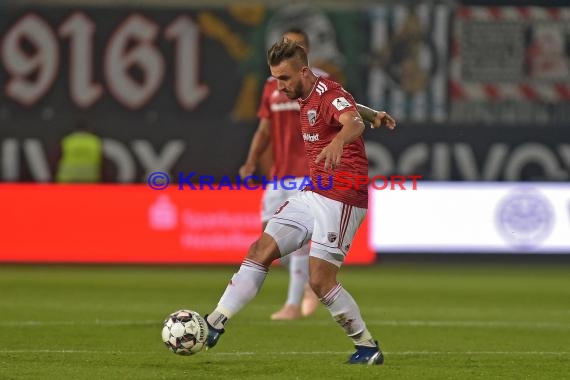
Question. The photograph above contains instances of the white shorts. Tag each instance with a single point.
(329, 224)
(274, 197)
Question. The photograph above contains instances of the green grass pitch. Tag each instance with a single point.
(434, 322)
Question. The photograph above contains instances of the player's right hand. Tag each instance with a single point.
(383, 118)
(331, 154)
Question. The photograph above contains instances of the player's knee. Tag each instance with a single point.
(255, 253)
(264, 250)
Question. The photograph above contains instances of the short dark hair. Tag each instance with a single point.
(286, 49)
(300, 32)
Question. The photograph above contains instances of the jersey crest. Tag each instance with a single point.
(312, 116)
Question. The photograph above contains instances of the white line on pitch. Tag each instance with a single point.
(303, 353)
(308, 322)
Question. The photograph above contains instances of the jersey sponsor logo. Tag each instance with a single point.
(321, 88)
(311, 137)
(340, 103)
(312, 116)
(287, 106)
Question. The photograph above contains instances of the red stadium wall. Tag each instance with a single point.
(133, 224)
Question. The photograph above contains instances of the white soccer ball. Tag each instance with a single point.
(184, 332)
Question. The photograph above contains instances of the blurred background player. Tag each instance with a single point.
(329, 218)
(317, 25)
(280, 130)
(81, 158)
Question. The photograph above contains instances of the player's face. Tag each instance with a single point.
(289, 78)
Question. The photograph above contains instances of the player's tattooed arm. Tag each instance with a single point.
(376, 118)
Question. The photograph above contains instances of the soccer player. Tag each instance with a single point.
(279, 126)
(332, 130)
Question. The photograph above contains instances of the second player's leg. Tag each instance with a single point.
(298, 267)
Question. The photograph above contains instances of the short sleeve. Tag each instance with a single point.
(336, 102)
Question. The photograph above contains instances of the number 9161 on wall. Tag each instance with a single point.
(131, 64)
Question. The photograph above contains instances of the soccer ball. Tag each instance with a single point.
(184, 332)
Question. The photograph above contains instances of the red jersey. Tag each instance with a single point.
(288, 148)
(320, 112)
(283, 113)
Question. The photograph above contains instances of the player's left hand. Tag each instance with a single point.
(332, 154)
(384, 119)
